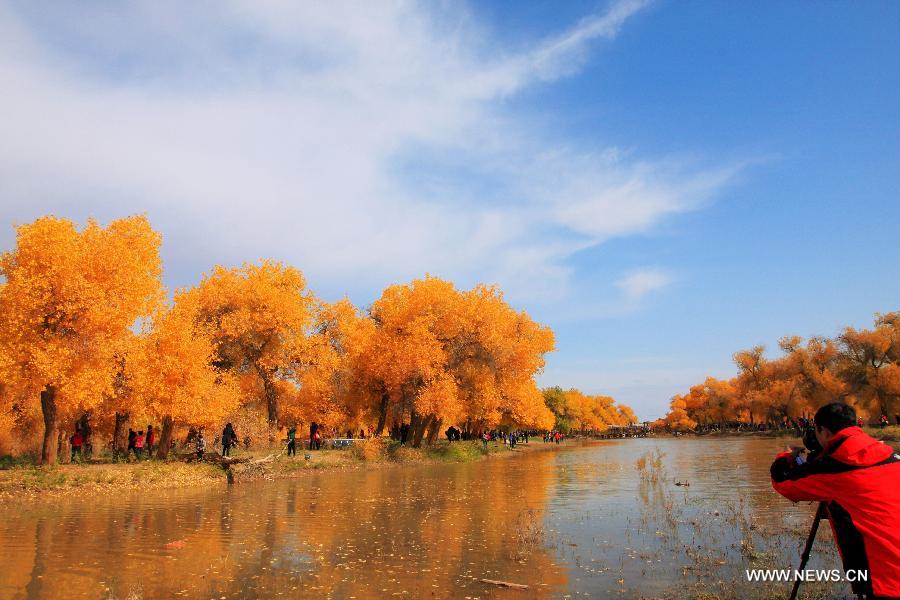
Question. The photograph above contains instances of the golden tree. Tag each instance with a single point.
(119, 403)
(495, 353)
(751, 382)
(870, 364)
(626, 414)
(439, 356)
(577, 411)
(173, 376)
(861, 367)
(407, 352)
(258, 317)
(678, 418)
(329, 386)
(68, 302)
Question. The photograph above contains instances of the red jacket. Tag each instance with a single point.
(859, 477)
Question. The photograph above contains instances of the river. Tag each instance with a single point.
(599, 519)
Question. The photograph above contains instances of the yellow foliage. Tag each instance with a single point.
(575, 410)
(257, 317)
(172, 372)
(861, 367)
(67, 305)
(85, 329)
(450, 356)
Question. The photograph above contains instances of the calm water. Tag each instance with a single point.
(580, 521)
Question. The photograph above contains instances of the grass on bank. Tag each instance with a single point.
(22, 478)
(26, 481)
(891, 433)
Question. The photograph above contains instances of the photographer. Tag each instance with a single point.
(859, 479)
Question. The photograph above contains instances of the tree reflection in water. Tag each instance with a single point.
(592, 519)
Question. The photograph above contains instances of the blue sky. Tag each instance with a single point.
(663, 183)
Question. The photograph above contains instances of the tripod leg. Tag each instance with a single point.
(821, 512)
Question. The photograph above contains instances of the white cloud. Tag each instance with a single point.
(300, 131)
(637, 284)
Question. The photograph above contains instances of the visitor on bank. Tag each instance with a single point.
(200, 445)
(292, 441)
(313, 433)
(856, 476)
(139, 444)
(884, 421)
(76, 440)
(229, 439)
(150, 440)
(404, 433)
(132, 434)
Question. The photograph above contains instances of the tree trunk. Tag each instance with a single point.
(419, 431)
(271, 397)
(414, 420)
(64, 449)
(165, 438)
(51, 426)
(120, 434)
(382, 414)
(434, 430)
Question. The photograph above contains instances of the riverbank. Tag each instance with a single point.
(28, 482)
(889, 434)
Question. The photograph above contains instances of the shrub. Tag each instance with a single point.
(373, 449)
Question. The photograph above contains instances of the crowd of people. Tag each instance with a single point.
(142, 443)
(798, 424)
(138, 442)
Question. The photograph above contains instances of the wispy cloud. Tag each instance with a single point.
(638, 284)
(363, 142)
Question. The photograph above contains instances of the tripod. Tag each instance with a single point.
(821, 513)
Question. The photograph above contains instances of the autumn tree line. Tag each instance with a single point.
(89, 333)
(578, 412)
(859, 367)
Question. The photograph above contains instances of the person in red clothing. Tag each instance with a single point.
(859, 479)
(77, 440)
(139, 445)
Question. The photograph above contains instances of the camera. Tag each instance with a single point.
(810, 440)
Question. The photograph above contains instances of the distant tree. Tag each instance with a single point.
(860, 366)
(870, 364)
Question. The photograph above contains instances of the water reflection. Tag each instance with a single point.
(414, 531)
(575, 521)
